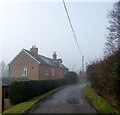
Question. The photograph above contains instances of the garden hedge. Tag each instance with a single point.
(71, 77)
(21, 91)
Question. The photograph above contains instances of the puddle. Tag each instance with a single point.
(72, 100)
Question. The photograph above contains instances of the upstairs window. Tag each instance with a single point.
(53, 72)
(46, 72)
(24, 71)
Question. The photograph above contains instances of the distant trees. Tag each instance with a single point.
(113, 38)
(4, 69)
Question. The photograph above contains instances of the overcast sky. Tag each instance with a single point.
(45, 24)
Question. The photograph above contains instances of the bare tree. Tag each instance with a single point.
(3, 69)
(113, 38)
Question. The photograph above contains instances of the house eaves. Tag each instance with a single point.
(23, 50)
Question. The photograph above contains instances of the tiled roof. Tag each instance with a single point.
(45, 60)
(6, 81)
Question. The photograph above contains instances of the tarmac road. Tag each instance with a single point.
(68, 100)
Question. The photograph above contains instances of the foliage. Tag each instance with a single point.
(71, 77)
(114, 28)
(99, 103)
(21, 91)
(105, 77)
(4, 69)
(25, 106)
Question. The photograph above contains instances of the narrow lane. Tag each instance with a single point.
(68, 100)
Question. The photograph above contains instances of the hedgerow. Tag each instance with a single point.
(98, 102)
(105, 77)
(21, 91)
(71, 77)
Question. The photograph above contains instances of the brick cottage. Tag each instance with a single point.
(29, 65)
(36, 67)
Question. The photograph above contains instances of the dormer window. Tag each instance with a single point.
(60, 64)
(24, 71)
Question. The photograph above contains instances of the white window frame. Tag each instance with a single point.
(46, 72)
(24, 71)
(53, 72)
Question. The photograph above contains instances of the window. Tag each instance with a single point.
(46, 72)
(53, 72)
(24, 71)
(60, 64)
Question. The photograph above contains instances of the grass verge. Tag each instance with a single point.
(24, 107)
(98, 102)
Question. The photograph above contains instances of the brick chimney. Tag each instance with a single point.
(54, 56)
(34, 49)
(57, 61)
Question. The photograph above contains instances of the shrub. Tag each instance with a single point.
(105, 77)
(71, 77)
(21, 91)
(99, 103)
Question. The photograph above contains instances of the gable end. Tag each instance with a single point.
(26, 53)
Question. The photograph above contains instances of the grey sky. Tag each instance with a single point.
(46, 25)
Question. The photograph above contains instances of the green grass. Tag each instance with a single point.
(98, 102)
(22, 108)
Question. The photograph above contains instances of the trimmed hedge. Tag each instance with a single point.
(23, 108)
(71, 77)
(21, 91)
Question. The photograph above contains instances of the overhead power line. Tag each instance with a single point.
(72, 27)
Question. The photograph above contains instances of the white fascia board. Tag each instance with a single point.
(31, 56)
(26, 53)
(15, 57)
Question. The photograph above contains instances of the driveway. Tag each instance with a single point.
(70, 99)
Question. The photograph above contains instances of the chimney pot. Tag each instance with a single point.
(34, 49)
(54, 56)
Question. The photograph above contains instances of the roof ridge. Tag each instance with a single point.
(38, 54)
(45, 56)
(45, 60)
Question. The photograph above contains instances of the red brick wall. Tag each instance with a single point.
(24, 60)
(58, 72)
(35, 71)
(7, 104)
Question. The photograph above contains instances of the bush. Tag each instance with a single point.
(22, 108)
(21, 91)
(99, 103)
(71, 77)
(105, 77)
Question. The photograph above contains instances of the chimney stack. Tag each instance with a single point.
(54, 56)
(34, 49)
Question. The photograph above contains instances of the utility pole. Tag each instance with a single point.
(83, 63)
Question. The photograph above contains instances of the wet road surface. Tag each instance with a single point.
(70, 99)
